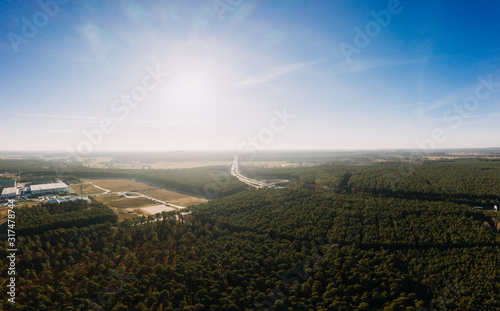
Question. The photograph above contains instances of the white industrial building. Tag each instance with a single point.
(10, 193)
(58, 187)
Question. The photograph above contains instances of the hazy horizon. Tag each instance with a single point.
(266, 151)
(248, 75)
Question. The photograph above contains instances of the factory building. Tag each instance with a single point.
(10, 193)
(54, 188)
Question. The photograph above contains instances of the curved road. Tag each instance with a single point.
(235, 171)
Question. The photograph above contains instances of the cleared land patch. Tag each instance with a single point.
(108, 163)
(130, 185)
(3, 215)
(116, 201)
(271, 164)
(158, 209)
(87, 189)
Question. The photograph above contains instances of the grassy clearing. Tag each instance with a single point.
(115, 201)
(119, 185)
(3, 215)
(124, 214)
(127, 185)
(87, 189)
(106, 163)
(271, 164)
(158, 209)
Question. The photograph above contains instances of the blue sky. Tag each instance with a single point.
(227, 66)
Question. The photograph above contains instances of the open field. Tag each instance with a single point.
(107, 163)
(129, 185)
(158, 209)
(115, 201)
(87, 189)
(271, 164)
(119, 185)
(129, 213)
(127, 207)
(3, 215)
(171, 165)
(451, 157)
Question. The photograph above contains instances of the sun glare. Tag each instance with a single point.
(191, 88)
(195, 82)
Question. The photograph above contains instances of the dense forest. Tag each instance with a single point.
(50, 216)
(331, 241)
(462, 180)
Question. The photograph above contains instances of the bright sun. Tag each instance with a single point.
(197, 86)
(191, 88)
(195, 83)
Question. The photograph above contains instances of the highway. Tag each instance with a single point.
(252, 182)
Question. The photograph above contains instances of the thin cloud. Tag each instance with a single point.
(274, 73)
(456, 97)
(361, 66)
(59, 117)
(403, 106)
(484, 117)
(92, 35)
(81, 119)
(479, 120)
(58, 131)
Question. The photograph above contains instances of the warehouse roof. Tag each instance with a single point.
(57, 185)
(10, 190)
